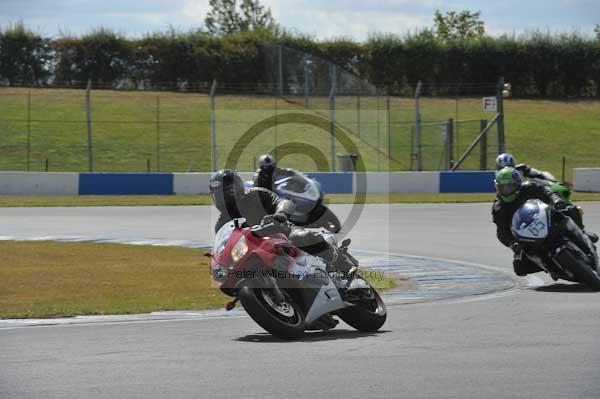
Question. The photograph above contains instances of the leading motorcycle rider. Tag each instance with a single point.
(512, 193)
(268, 170)
(259, 205)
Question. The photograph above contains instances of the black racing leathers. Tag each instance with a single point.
(502, 212)
(265, 177)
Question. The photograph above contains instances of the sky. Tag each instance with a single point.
(322, 19)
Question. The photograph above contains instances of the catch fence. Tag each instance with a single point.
(310, 113)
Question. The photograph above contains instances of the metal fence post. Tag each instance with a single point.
(306, 73)
(275, 138)
(418, 126)
(213, 127)
(378, 124)
(449, 143)
(332, 124)
(280, 68)
(28, 129)
(358, 109)
(157, 133)
(483, 146)
(500, 105)
(88, 115)
(389, 129)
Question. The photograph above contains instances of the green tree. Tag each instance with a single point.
(225, 17)
(597, 31)
(24, 56)
(462, 25)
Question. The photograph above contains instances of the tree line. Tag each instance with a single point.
(538, 64)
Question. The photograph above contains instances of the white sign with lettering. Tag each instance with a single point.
(489, 104)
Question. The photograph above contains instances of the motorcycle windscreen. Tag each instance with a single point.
(531, 221)
(224, 233)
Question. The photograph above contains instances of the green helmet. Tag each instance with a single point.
(508, 183)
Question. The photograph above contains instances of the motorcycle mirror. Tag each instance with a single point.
(346, 242)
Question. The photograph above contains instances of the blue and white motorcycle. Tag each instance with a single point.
(556, 244)
(307, 196)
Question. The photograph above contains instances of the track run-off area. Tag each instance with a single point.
(513, 340)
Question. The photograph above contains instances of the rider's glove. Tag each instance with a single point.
(560, 205)
(280, 218)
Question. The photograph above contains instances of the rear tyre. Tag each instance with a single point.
(285, 321)
(575, 261)
(367, 315)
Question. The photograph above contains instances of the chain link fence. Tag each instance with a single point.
(48, 130)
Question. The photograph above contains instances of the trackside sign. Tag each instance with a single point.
(489, 104)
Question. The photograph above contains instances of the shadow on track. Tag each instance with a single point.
(560, 287)
(316, 336)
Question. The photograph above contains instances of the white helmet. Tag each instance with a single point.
(267, 161)
(504, 160)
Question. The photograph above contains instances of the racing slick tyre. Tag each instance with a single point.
(577, 264)
(285, 321)
(367, 315)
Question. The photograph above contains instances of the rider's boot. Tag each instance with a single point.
(592, 236)
(575, 214)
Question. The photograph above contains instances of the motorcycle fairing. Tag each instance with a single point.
(531, 221)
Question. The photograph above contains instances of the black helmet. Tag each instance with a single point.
(267, 161)
(225, 187)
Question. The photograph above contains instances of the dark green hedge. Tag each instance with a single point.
(538, 65)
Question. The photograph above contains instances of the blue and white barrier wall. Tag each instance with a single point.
(586, 179)
(197, 183)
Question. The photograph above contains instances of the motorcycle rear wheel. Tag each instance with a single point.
(366, 316)
(286, 321)
(580, 268)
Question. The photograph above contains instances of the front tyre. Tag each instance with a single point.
(582, 271)
(285, 321)
(367, 315)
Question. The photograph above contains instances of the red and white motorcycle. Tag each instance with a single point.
(286, 290)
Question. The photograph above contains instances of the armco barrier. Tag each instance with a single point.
(586, 179)
(197, 183)
(467, 182)
(125, 183)
(25, 183)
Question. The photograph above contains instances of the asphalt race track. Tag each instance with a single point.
(521, 343)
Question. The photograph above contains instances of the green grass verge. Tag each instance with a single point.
(181, 200)
(54, 279)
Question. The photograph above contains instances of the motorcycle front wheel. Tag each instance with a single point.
(285, 321)
(367, 315)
